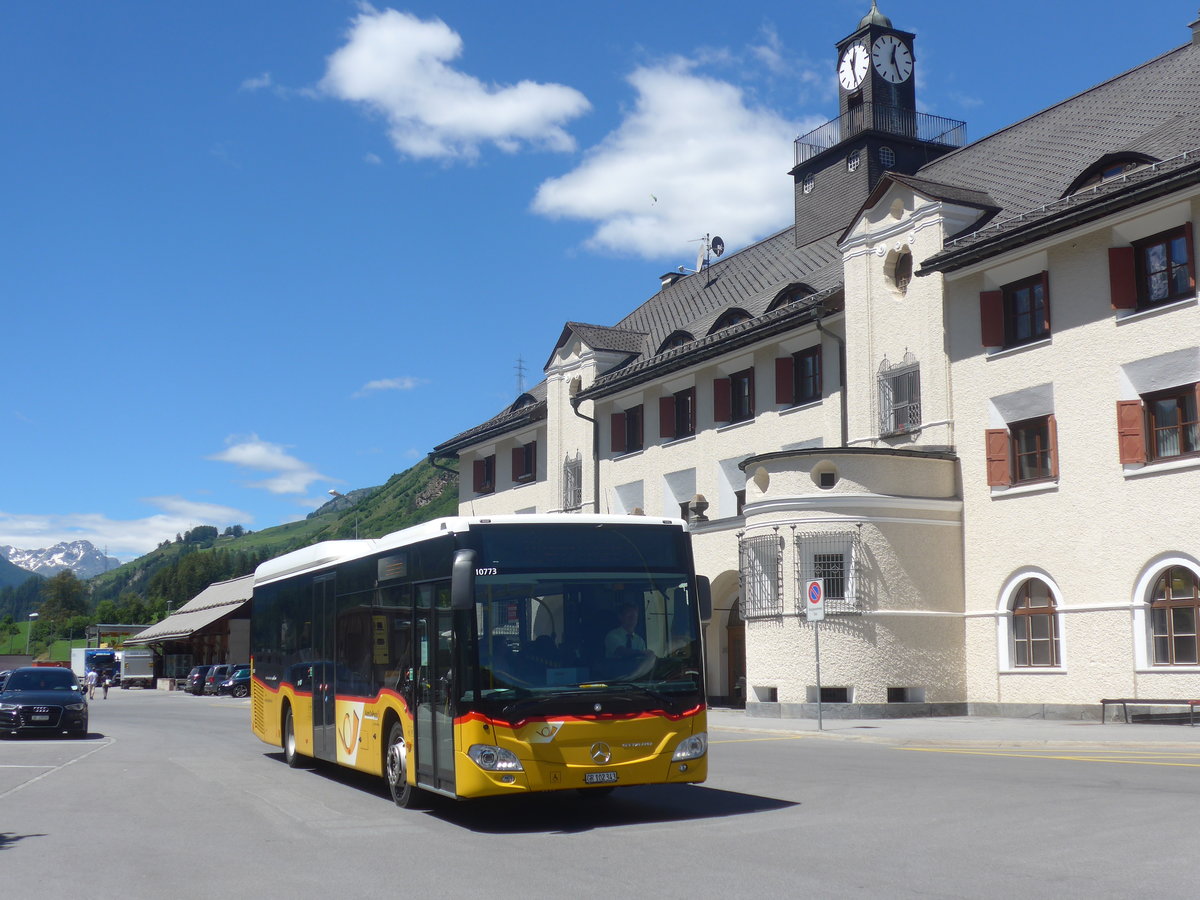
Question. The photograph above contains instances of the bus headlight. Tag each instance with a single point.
(691, 748)
(494, 759)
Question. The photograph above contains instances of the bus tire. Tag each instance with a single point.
(291, 755)
(395, 768)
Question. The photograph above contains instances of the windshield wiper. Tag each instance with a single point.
(664, 699)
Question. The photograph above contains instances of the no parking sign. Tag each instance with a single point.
(814, 593)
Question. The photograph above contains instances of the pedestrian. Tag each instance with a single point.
(107, 684)
(90, 680)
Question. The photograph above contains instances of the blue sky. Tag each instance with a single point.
(255, 250)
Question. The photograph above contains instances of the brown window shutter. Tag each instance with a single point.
(1131, 431)
(722, 397)
(999, 471)
(991, 318)
(666, 417)
(618, 432)
(1122, 278)
(785, 368)
(1052, 429)
(1187, 234)
(518, 463)
(1046, 300)
(479, 471)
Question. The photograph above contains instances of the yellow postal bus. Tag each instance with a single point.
(474, 657)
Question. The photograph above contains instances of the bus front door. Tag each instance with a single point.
(324, 746)
(434, 720)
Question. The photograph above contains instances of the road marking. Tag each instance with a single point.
(1190, 760)
(52, 769)
(790, 737)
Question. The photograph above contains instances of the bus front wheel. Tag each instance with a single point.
(395, 768)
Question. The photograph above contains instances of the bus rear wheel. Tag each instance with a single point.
(290, 755)
(395, 768)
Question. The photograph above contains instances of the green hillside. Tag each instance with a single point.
(416, 495)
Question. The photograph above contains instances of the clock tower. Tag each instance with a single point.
(878, 129)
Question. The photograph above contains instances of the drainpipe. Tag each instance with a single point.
(575, 401)
(433, 461)
(842, 375)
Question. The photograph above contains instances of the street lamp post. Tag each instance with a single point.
(29, 631)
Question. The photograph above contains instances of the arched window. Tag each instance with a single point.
(675, 339)
(1034, 626)
(1174, 609)
(730, 318)
(1108, 167)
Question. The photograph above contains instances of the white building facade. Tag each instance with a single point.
(963, 393)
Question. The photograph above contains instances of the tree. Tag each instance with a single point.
(63, 596)
(8, 630)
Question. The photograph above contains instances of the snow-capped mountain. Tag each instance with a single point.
(79, 556)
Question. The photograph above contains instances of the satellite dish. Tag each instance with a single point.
(700, 257)
(718, 245)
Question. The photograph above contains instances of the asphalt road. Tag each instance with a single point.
(172, 797)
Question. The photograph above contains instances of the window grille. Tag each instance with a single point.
(760, 573)
(899, 396)
(832, 556)
(572, 496)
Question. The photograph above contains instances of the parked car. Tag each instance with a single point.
(4, 677)
(43, 700)
(195, 679)
(238, 682)
(215, 676)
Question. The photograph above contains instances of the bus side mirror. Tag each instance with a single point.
(704, 597)
(462, 580)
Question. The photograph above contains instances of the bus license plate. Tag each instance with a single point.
(600, 778)
(40, 718)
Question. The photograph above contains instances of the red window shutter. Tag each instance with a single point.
(666, 417)
(618, 432)
(999, 471)
(1191, 263)
(1052, 428)
(991, 318)
(785, 392)
(1131, 431)
(479, 472)
(722, 397)
(1046, 301)
(1122, 278)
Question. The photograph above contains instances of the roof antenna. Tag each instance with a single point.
(714, 246)
(520, 367)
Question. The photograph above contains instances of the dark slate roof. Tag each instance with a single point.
(749, 279)
(1026, 168)
(529, 407)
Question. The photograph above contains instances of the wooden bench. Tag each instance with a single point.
(1126, 702)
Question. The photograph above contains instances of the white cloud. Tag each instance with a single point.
(289, 474)
(399, 66)
(406, 383)
(692, 157)
(258, 83)
(124, 539)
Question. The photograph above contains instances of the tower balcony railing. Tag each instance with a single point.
(876, 117)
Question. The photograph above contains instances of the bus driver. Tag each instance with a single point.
(623, 642)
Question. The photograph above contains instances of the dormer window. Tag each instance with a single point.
(675, 339)
(729, 318)
(1113, 165)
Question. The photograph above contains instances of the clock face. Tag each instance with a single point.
(853, 67)
(893, 60)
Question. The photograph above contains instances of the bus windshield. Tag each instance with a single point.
(560, 634)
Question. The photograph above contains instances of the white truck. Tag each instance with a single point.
(137, 667)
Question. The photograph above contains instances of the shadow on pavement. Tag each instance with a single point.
(565, 812)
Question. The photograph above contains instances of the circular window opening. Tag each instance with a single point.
(899, 270)
(887, 157)
(853, 161)
(809, 181)
(825, 475)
